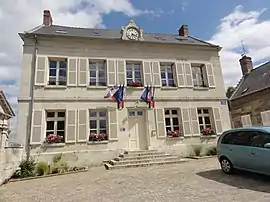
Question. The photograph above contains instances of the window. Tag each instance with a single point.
(133, 73)
(241, 138)
(259, 139)
(98, 125)
(167, 75)
(97, 73)
(55, 124)
(57, 71)
(204, 118)
(198, 75)
(171, 120)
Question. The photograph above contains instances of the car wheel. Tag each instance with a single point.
(226, 165)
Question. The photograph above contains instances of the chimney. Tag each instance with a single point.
(246, 64)
(47, 18)
(183, 31)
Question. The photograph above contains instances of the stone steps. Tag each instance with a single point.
(130, 159)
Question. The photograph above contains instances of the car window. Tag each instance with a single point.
(237, 138)
(259, 139)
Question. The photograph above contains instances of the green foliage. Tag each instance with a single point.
(59, 167)
(230, 91)
(211, 151)
(57, 158)
(27, 167)
(42, 168)
(197, 149)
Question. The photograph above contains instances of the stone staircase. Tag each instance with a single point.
(141, 158)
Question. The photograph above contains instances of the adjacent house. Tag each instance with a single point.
(67, 71)
(250, 101)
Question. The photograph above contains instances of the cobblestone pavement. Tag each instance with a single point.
(196, 180)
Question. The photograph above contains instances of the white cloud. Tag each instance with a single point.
(235, 27)
(22, 15)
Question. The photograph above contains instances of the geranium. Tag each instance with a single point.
(97, 137)
(174, 133)
(135, 84)
(208, 131)
(53, 138)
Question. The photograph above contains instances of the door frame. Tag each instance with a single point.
(144, 110)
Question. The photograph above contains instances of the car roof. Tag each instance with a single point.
(254, 128)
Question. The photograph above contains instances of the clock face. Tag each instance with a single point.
(133, 34)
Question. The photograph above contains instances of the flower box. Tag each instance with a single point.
(98, 137)
(208, 132)
(175, 133)
(54, 138)
(135, 84)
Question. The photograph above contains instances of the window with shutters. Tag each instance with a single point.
(204, 117)
(167, 74)
(199, 75)
(55, 126)
(57, 71)
(98, 125)
(172, 122)
(97, 72)
(133, 74)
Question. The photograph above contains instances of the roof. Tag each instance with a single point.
(56, 30)
(5, 105)
(258, 128)
(258, 79)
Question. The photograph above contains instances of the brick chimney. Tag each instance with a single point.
(246, 64)
(47, 18)
(183, 31)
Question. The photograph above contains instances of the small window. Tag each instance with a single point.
(139, 113)
(57, 71)
(241, 138)
(198, 75)
(259, 139)
(131, 113)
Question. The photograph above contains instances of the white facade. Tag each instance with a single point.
(193, 100)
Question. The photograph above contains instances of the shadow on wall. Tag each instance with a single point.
(241, 180)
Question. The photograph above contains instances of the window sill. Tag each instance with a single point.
(208, 136)
(55, 87)
(201, 88)
(97, 142)
(97, 87)
(135, 88)
(169, 88)
(54, 145)
(175, 138)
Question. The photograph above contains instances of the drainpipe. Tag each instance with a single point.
(31, 104)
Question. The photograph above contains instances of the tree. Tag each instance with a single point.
(230, 91)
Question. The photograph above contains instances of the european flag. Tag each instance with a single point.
(144, 95)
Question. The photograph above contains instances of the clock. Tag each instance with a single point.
(133, 33)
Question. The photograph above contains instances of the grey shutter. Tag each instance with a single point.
(210, 75)
(83, 72)
(71, 120)
(180, 75)
(161, 130)
(246, 121)
(186, 122)
(218, 122)
(82, 125)
(38, 133)
(194, 121)
(188, 74)
(72, 72)
(265, 118)
(113, 126)
(156, 74)
(147, 73)
(41, 65)
(111, 72)
(121, 72)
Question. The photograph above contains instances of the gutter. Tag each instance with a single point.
(31, 103)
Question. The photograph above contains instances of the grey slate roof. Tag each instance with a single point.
(56, 30)
(257, 79)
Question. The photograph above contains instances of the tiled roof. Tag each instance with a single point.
(257, 79)
(56, 30)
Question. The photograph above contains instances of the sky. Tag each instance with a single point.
(226, 24)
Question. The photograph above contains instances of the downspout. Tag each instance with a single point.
(31, 104)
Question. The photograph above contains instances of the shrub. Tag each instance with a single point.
(27, 167)
(59, 167)
(57, 158)
(42, 168)
(197, 149)
(211, 151)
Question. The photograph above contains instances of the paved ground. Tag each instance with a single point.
(197, 180)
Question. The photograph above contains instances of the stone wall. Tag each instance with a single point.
(251, 105)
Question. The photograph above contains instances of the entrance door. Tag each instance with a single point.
(137, 129)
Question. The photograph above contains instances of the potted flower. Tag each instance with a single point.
(135, 84)
(174, 133)
(53, 138)
(97, 137)
(208, 131)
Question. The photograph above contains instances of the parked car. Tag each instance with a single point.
(245, 149)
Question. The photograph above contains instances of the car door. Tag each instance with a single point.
(239, 149)
(259, 154)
